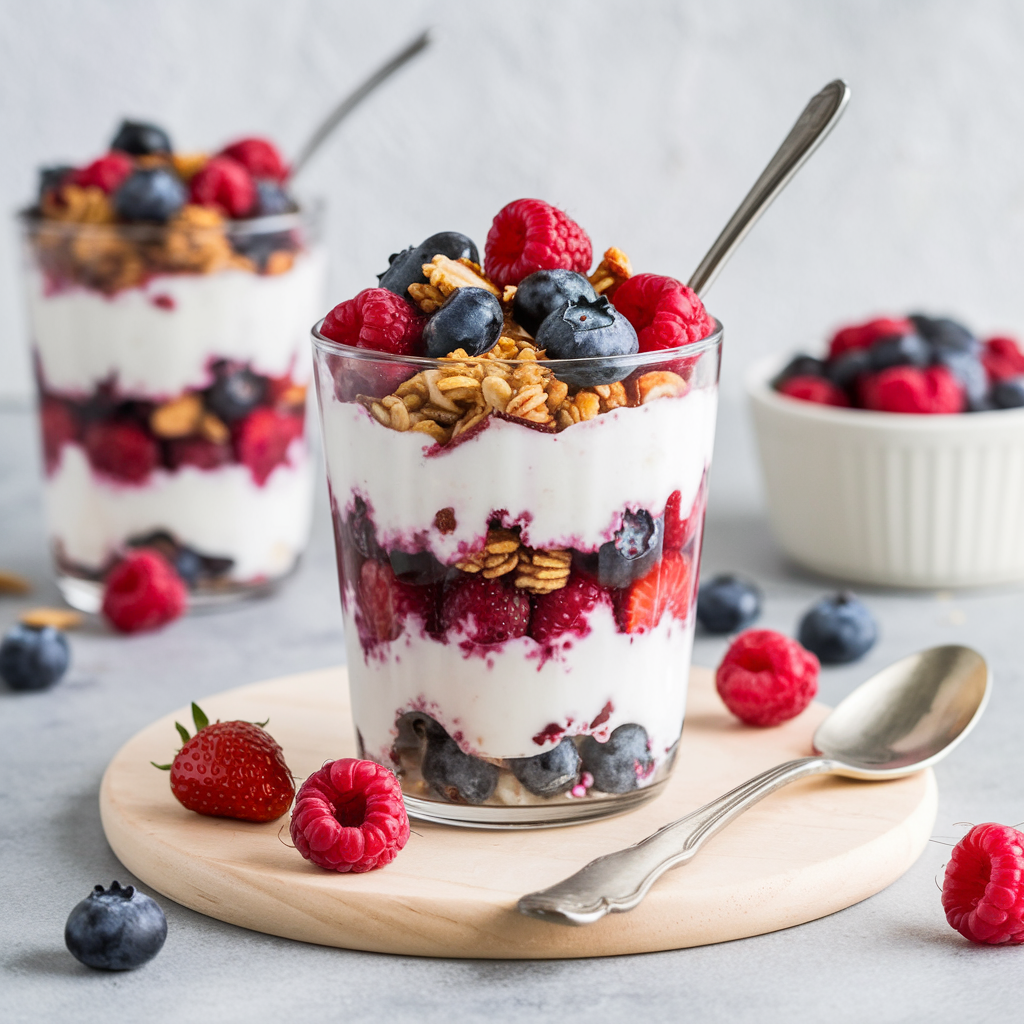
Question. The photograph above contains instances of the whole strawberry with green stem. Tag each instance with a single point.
(230, 770)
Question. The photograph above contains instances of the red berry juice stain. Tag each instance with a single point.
(603, 715)
(550, 733)
(163, 301)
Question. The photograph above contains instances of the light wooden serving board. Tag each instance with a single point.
(808, 850)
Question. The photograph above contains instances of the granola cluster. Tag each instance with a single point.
(537, 570)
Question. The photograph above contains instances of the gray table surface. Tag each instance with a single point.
(890, 958)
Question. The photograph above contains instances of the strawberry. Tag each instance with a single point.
(665, 588)
(486, 611)
(379, 613)
(230, 770)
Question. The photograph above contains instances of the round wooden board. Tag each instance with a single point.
(809, 850)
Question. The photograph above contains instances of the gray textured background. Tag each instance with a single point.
(648, 122)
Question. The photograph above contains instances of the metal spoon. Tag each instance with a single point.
(817, 120)
(354, 98)
(901, 720)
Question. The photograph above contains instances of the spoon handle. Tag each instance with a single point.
(619, 881)
(817, 120)
(354, 98)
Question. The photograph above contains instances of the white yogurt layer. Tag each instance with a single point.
(566, 490)
(499, 702)
(220, 512)
(84, 337)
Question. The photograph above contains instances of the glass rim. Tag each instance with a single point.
(633, 361)
(309, 212)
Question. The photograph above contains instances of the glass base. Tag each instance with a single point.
(547, 815)
(87, 595)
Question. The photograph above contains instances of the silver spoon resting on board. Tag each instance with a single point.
(817, 120)
(903, 719)
(354, 98)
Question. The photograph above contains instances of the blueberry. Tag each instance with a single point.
(633, 550)
(587, 330)
(32, 658)
(1008, 394)
(838, 629)
(945, 333)
(453, 774)
(272, 199)
(359, 531)
(844, 370)
(406, 267)
(258, 246)
(968, 369)
(901, 350)
(51, 178)
(419, 568)
(800, 366)
(619, 764)
(548, 774)
(727, 604)
(141, 139)
(150, 194)
(115, 929)
(542, 293)
(235, 392)
(470, 319)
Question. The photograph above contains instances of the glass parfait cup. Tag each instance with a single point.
(518, 544)
(172, 370)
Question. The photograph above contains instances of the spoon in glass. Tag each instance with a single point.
(906, 718)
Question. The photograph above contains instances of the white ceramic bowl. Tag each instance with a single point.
(897, 500)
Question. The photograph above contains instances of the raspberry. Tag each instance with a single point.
(678, 531)
(485, 611)
(259, 157)
(663, 311)
(143, 592)
(198, 452)
(814, 389)
(376, 319)
(262, 440)
(225, 185)
(983, 891)
(107, 173)
(530, 235)
(122, 450)
(566, 610)
(907, 389)
(765, 678)
(59, 427)
(666, 587)
(1002, 359)
(865, 335)
(232, 770)
(349, 816)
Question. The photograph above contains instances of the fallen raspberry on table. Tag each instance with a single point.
(664, 312)
(59, 427)
(121, 450)
(107, 173)
(225, 185)
(814, 389)
(530, 235)
(376, 319)
(667, 587)
(485, 611)
(906, 389)
(983, 891)
(1002, 359)
(259, 157)
(143, 592)
(349, 816)
(231, 770)
(765, 678)
(566, 610)
(262, 440)
(865, 335)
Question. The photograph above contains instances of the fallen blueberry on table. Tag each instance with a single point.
(33, 658)
(727, 604)
(838, 629)
(115, 929)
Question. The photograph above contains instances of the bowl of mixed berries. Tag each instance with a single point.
(898, 457)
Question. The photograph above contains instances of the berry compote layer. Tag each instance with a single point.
(169, 297)
(518, 519)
